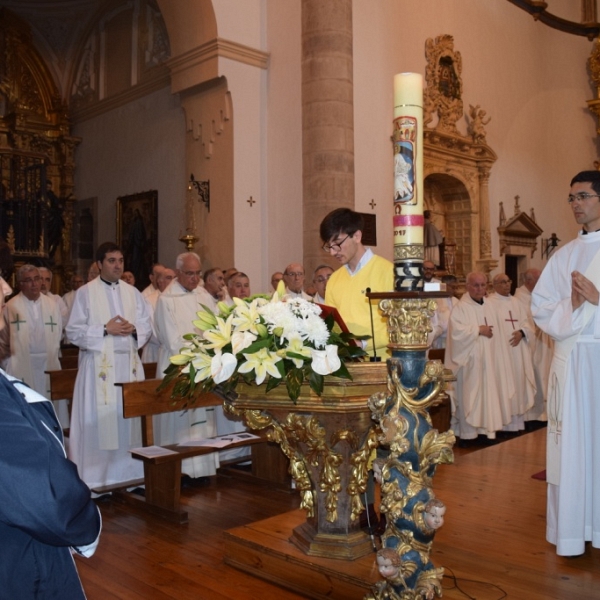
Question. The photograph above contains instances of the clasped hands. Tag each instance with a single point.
(582, 289)
(119, 326)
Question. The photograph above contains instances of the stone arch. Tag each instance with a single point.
(450, 203)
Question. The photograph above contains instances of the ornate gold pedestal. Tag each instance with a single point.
(328, 440)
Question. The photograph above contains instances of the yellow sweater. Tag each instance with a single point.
(347, 293)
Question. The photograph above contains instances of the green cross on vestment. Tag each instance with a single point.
(17, 322)
(52, 324)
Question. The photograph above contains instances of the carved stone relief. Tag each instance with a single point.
(456, 166)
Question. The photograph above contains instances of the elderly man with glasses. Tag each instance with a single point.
(30, 337)
(293, 277)
(176, 308)
(341, 231)
(513, 337)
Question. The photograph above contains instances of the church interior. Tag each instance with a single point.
(232, 127)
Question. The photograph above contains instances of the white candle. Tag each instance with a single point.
(408, 176)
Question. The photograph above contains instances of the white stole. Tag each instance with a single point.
(558, 376)
(20, 332)
(104, 368)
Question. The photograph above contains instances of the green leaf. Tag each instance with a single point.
(316, 383)
(257, 345)
(272, 383)
(343, 372)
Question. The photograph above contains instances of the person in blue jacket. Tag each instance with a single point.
(46, 510)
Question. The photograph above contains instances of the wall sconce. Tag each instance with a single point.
(203, 189)
(549, 245)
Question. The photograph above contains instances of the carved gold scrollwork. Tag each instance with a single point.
(359, 472)
(408, 321)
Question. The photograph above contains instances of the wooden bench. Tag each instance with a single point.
(162, 474)
(62, 382)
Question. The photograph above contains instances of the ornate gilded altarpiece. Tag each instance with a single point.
(456, 166)
(36, 154)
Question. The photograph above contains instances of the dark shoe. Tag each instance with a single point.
(191, 482)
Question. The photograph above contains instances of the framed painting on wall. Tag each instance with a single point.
(137, 233)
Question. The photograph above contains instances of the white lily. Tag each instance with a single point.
(246, 316)
(325, 362)
(202, 364)
(261, 362)
(219, 336)
(222, 366)
(296, 346)
(183, 358)
(240, 340)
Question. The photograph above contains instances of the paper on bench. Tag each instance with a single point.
(221, 441)
(151, 451)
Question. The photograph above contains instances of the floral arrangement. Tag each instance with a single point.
(261, 339)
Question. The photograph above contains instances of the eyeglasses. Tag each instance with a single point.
(322, 279)
(504, 281)
(336, 247)
(192, 273)
(581, 197)
(296, 275)
(30, 280)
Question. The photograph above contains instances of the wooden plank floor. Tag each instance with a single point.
(494, 534)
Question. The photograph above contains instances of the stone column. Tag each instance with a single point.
(327, 118)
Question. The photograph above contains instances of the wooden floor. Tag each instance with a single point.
(493, 539)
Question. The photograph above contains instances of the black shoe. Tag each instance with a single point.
(190, 482)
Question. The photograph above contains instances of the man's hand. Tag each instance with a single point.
(486, 330)
(119, 326)
(516, 337)
(582, 289)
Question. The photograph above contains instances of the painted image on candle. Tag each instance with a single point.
(405, 134)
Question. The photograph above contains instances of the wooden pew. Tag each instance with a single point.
(62, 382)
(162, 474)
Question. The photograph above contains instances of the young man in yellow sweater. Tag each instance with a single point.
(341, 232)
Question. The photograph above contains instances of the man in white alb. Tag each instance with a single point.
(109, 323)
(174, 315)
(564, 304)
(320, 279)
(30, 337)
(479, 396)
(512, 334)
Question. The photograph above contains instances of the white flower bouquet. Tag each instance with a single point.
(261, 339)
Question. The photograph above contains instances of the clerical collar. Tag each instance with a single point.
(110, 282)
(585, 232)
(477, 301)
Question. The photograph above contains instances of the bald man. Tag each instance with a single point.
(293, 277)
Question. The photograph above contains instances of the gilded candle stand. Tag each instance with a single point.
(415, 449)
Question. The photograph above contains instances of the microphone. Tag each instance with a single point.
(373, 358)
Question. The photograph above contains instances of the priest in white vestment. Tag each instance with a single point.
(175, 311)
(320, 278)
(69, 298)
(542, 349)
(479, 405)
(565, 305)
(512, 333)
(46, 275)
(293, 277)
(214, 290)
(109, 323)
(30, 337)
